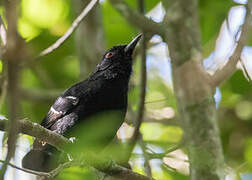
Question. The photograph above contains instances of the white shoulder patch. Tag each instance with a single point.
(74, 101)
(71, 97)
(54, 111)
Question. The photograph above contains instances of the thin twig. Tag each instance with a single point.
(141, 105)
(147, 167)
(27, 170)
(237, 169)
(156, 101)
(52, 174)
(169, 168)
(154, 155)
(143, 84)
(222, 74)
(75, 24)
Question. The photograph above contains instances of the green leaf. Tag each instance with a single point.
(76, 173)
(149, 4)
(161, 133)
(248, 152)
(234, 89)
(212, 14)
(117, 29)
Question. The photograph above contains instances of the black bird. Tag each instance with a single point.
(91, 111)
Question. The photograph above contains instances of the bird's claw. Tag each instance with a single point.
(72, 139)
(70, 158)
(43, 143)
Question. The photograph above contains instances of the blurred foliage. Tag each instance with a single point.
(42, 22)
(158, 133)
(212, 14)
(114, 23)
(76, 173)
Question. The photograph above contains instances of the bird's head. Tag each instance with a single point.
(119, 55)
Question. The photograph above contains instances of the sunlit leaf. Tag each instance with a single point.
(149, 4)
(44, 13)
(27, 30)
(1, 66)
(159, 132)
(212, 14)
(243, 110)
(248, 152)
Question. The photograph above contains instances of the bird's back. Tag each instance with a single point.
(93, 122)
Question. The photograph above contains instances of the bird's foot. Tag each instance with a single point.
(72, 139)
(43, 143)
(70, 158)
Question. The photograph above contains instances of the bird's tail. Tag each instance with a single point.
(43, 160)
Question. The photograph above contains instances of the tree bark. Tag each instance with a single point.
(192, 86)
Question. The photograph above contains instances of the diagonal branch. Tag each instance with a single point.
(75, 24)
(228, 69)
(35, 130)
(133, 17)
(58, 141)
(27, 170)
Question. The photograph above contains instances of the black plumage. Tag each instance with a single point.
(91, 111)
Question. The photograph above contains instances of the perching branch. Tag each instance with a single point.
(105, 166)
(58, 141)
(75, 24)
(222, 74)
(35, 130)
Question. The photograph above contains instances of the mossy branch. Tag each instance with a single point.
(58, 141)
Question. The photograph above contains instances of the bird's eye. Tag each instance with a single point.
(109, 54)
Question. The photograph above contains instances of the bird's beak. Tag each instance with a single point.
(131, 46)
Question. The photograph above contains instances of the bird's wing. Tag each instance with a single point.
(62, 106)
